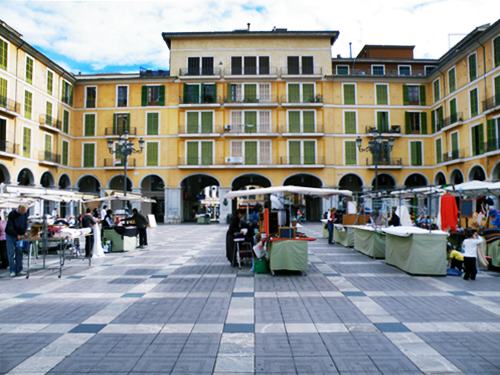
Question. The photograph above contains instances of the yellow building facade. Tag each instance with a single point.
(253, 108)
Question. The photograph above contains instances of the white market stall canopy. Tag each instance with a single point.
(426, 190)
(28, 194)
(318, 192)
(117, 196)
(475, 188)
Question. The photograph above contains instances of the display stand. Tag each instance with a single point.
(288, 254)
(369, 241)
(343, 235)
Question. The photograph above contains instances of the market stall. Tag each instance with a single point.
(416, 251)
(343, 234)
(369, 240)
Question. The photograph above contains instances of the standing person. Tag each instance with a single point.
(394, 221)
(88, 221)
(3, 242)
(95, 213)
(17, 225)
(141, 222)
(104, 212)
(470, 245)
(331, 219)
(234, 227)
(108, 221)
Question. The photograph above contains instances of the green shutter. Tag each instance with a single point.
(382, 121)
(28, 103)
(422, 95)
(65, 121)
(206, 122)
(88, 155)
(440, 117)
(293, 93)
(382, 94)
(192, 122)
(474, 141)
(65, 153)
(436, 91)
(144, 96)
(192, 153)
(480, 140)
(309, 152)
(3, 92)
(451, 80)
(407, 123)
(423, 123)
(29, 70)
(48, 143)
(491, 134)
(497, 90)
(406, 98)
(3, 54)
(115, 120)
(472, 67)
(206, 153)
(416, 153)
(453, 110)
(250, 152)
(308, 92)
(250, 121)
(152, 121)
(349, 94)
(350, 122)
(439, 151)
(250, 93)
(152, 154)
(161, 97)
(350, 152)
(454, 143)
(26, 142)
(308, 122)
(294, 121)
(50, 81)
(433, 121)
(294, 152)
(473, 102)
(48, 113)
(90, 124)
(496, 46)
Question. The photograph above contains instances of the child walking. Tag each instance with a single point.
(470, 245)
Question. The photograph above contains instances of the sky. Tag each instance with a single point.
(121, 36)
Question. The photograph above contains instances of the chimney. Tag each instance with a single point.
(248, 26)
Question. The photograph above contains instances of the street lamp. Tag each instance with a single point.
(123, 148)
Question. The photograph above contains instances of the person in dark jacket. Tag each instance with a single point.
(15, 230)
(141, 222)
(88, 221)
(394, 221)
(234, 227)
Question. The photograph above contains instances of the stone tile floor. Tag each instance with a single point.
(179, 308)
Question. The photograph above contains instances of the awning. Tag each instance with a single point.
(318, 192)
(474, 188)
(117, 196)
(425, 190)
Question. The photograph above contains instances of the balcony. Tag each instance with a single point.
(385, 163)
(389, 73)
(450, 122)
(315, 101)
(492, 145)
(201, 133)
(318, 162)
(203, 72)
(240, 101)
(272, 72)
(9, 107)
(491, 104)
(305, 71)
(49, 158)
(150, 73)
(241, 130)
(50, 123)
(110, 163)
(7, 149)
(453, 156)
(200, 101)
(386, 131)
(316, 131)
(117, 131)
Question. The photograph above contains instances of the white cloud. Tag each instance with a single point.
(124, 33)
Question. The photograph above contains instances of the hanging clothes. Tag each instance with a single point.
(449, 212)
(404, 216)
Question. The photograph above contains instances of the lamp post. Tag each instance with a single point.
(123, 148)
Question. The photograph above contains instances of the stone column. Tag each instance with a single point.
(224, 209)
(173, 205)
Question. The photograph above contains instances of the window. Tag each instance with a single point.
(26, 142)
(437, 119)
(454, 145)
(90, 96)
(452, 83)
(50, 82)
(152, 154)
(152, 123)
(48, 148)
(250, 65)
(48, 113)
(453, 111)
(472, 67)
(153, 95)
(300, 65)
(378, 70)
(301, 93)
(439, 151)
(382, 121)
(65, 153)
(350, 153)
(122, 96)
(404, 70)
(415, 123)
(67, 93)
(477, 138)
(249, 92)
(89, 124)
(473, 100)
(89, 155)
(250, 121)
(493, 134)
(413, 94)
(349, 90)
(199, 153)
(350, 122)
(342, 70)
(3, 92)
(65, 121)
(436, 90)
(4, 54)
(496, 51)
(416, 152)
(429, 69)
(28, 104)
(199, 122)
(301, 121)
(497, 90)
(207, 66)
(199, 93)
(381, 94)
(301, 152)
(121, 123)
(252, 152)
(29, 70)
